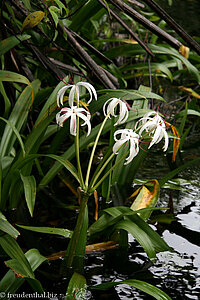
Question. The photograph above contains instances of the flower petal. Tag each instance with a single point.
(61, 93)
(87, 121)
(73, 124)
(134, 149)
(90, 89)
(72, 96)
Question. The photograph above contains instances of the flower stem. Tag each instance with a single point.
(93, 181)
(93, 188)
(93, 151)
(78, 155)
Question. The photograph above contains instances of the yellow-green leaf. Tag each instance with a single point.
(32, 20)
(144, 198)
(190, 91)
(176, 142)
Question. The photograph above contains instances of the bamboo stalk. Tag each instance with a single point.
(91, 48)
(134, 35)
(186, 37)
(84, 56)
(146, 23)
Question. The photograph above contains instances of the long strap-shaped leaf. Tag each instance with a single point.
(12, 248)
(138, 284)
(17, 118)
(13, 174)
(11, 283)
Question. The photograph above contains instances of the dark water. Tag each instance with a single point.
(185, 13)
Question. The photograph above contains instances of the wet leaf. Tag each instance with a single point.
(141, 285)
(140, 235)
(32, 20)
(77, 287)
(145, 198)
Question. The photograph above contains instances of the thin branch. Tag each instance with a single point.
(136, 3)
(84, 56)
(186, 37)
(46, 61)
(135, 36)
(91, 48)
(146, 23)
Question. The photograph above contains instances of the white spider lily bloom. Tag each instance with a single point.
(123, 110)
(74, 93)
(73, 112)
(156, 127)
(127, 135)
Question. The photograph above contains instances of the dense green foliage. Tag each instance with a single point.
(44, 46)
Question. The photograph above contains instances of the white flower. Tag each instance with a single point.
(73, 112)
(74, 93)
(127, 135)
(123, 110)
(156, 127)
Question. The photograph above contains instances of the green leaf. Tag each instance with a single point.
(189, 112)
(11, 76)
(77, 287)
(49, 230)
(27, 4)
(13, 175)
(129, 220)
(66, 164)
(17, 118)
(157, 69)
(74, 257)
(5, 226)
(12, 248)
(11, 283)
(84, 14)
(9, 43)
(54, 14)
(142, 238)
(16, 133)
(131, 50)
(141, 285)
(7, 103)
(30, 191)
